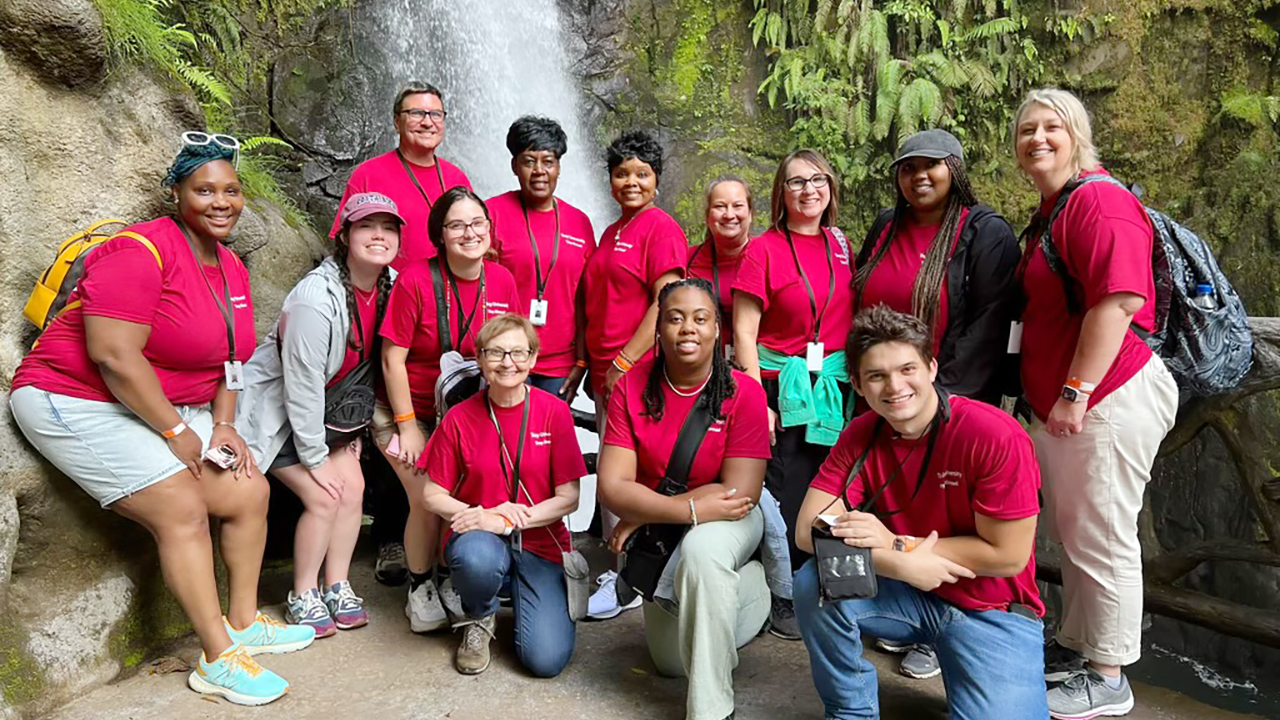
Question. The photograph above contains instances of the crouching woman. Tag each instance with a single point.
(503, 471)
(712, 598)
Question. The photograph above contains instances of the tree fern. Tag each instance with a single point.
(993, 28)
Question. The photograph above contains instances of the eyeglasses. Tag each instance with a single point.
(796, 184)
(496, 355)
(437, 116)
(479, 226)
(195, 137)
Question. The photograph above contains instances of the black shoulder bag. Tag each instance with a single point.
(844, 571)
(651, 546)
(348, 404)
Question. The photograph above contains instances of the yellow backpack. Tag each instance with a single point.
(49, 298)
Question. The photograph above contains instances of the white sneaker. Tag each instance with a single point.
(603, 604)
(451, 600)
(424, 610)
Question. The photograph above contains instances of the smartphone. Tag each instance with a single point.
(222, 456)
(393, 447)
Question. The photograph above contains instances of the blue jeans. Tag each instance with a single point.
(546, 382)
(992, 662)
(775, 554)
(481, 563)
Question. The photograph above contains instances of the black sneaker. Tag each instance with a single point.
(1060, 663)
(782, 619)
(921, 663)
(390, 568)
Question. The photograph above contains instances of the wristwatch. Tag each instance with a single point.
(1077, 390)
(905, 543)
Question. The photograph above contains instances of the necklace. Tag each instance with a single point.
(676, 390)
(617, 234)
(360, 296)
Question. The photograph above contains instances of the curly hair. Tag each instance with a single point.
(720, 386)
(638, 144)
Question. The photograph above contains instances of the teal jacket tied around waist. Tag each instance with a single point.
(817, 405)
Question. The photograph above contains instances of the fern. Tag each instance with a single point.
(262, 141)
(981, 79)
(1253, 108)
(993, 28)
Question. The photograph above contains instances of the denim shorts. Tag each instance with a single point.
(106, 449)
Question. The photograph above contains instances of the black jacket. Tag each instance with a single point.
(982, 296)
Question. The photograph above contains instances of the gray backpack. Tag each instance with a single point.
(1202, 330)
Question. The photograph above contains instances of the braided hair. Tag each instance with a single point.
(927, 291)
(720, 386)
(341, 250)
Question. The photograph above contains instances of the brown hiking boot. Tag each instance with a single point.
(473, 653)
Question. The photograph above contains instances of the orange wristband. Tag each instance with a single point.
(622, 364)
(580, 363)
(175, 431)
(405, 417)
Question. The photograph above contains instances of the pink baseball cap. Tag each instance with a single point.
(362, 205)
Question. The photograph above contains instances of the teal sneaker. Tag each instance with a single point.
(238, 678)
(268, 635)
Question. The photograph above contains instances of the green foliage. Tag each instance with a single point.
(139, 31)
(859, 76)
(1254, 108)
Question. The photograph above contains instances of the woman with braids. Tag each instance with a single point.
(472, 290)
(327, 329)
(941, 256)
(791, 316)
(637, 256)
(137, 378)
(712, 598)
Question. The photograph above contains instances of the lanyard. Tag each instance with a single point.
(414, 178)
(225, 308)
(715, 265)
(463, 330)
(555, 247)
(514, 482)
(831, 277)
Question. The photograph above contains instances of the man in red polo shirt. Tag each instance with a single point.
(949, 488)
(412, 175)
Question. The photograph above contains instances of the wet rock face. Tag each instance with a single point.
(62, 40)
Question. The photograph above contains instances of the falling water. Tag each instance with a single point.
(496, 60)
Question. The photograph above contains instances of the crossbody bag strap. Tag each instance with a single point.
(442, 308)
(692, 433)
(857, 468)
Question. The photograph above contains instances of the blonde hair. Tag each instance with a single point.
(503, 323)
(706, 200)
(1075, 118)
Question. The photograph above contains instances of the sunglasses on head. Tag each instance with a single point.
(194, 137)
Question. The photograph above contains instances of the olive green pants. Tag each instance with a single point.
(723, 604)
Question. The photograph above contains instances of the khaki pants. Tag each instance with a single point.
(1093, 486)
(724, 602)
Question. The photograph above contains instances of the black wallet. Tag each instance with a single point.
(844, 572)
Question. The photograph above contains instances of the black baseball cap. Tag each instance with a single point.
(936, 144)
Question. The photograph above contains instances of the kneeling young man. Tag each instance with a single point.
(955, 481)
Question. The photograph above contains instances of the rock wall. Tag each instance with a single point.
(80, 592)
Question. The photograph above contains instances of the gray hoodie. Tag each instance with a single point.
(286, 377)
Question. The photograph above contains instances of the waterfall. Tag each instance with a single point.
(496, 60)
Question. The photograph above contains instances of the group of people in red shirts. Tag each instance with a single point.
(724, 375)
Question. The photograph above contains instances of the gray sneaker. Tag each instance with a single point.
(782, 619)
(921, 663)
(1060, 663)
(473, 654)
(1087, 695)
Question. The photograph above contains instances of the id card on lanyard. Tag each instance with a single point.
(233, 369)
(538, 305)
(815, 351)
(512, 478)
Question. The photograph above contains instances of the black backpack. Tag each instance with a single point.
(1208, 350)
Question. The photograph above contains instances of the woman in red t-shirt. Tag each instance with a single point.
(131, 383)
(942, 256)
(1102, 401)
(712, 598)
(716, 258)
(503, 470)
(792, 310)
(327, 330)
(473, 290)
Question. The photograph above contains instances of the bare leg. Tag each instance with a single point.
(311, 537)
(242, 506)
(422, 531)
(346, 523)
(173, 510)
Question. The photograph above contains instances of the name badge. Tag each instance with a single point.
(516, 541)
(729, 353)
(538, 312)
(234, 371)
(1015, 338)
(814, 355)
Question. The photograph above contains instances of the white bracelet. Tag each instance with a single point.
(693, 513)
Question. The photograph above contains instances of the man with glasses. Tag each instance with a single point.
(412, 174)
(414, 177)
(545, 242)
